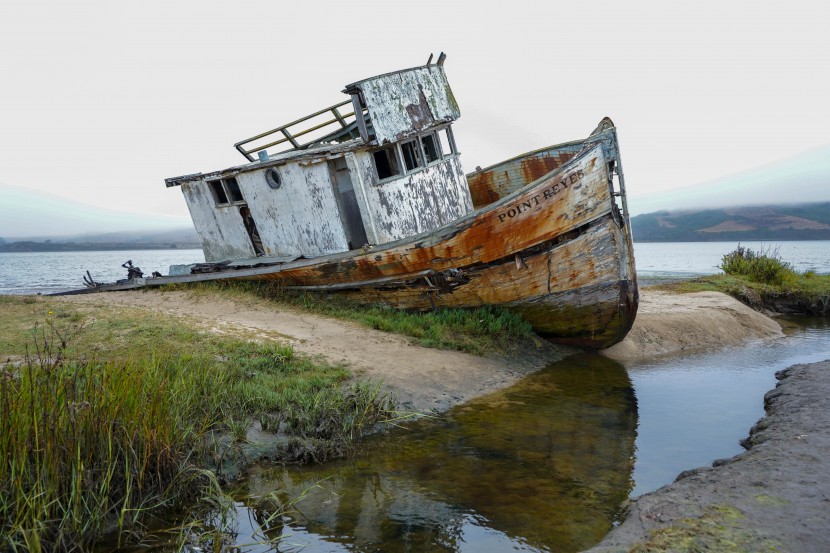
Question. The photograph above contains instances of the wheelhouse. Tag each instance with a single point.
(376, 168)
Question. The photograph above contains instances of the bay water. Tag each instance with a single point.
(48, 272)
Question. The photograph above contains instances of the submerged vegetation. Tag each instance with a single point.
(763, 280)
(108, 416)
(479, 331)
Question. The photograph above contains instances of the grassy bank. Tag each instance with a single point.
(109, 415)
(763, 280)
(478, 331)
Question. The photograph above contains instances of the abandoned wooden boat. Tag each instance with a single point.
(374, 205)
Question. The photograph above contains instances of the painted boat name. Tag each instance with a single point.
(546, 194)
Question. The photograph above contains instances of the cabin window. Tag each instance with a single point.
(218, 192)
(412, 158)
(233, 189)
(386, 163)
(431, 151)
(446, 141)
(226, 191)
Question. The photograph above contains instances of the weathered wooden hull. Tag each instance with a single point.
(570, 293)
(556, 250)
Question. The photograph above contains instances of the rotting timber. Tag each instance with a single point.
(379, 210)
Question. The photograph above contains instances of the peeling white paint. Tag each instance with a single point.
(421, 201)
(221, 229)
(304, 215)
(299, 218)
(403, 103)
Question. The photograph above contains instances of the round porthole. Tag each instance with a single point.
(273, 178)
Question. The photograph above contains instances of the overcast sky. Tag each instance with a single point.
(101, 100)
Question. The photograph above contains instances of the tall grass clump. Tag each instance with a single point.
(763, 267)
(88, 447)
(764, 281)
(91, 446)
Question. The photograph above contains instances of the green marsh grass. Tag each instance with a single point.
(108, 416)
(478, 331)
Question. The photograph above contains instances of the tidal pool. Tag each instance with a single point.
(542, 466)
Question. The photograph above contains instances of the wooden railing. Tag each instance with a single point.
(341, 122)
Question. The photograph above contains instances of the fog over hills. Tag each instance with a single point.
(773, 222)
(28, 214)
(800, 179)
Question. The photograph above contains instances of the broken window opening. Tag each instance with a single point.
(218, 192)
(386, 163)
(431, 151)
(226, 191)
(412, 157)
(234, 192)
(445, 139)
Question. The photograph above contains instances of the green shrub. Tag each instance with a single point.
(764, 267)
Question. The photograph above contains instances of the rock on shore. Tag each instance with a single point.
(773, 497)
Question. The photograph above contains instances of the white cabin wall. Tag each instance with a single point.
(299, 218)
(424, 200)
(220, 229)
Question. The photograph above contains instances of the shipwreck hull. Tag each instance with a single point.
(570, 293)
(557, 252)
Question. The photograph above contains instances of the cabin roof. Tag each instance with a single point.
(320, 152)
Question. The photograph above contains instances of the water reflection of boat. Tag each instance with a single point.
(374, 204)
(544, 465)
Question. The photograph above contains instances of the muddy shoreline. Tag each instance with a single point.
(773, 497)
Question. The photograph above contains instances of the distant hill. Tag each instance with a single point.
(179, 238)
(778, 222)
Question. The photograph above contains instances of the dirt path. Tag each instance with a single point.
(427, 379)
(773, 497)
(423, 379)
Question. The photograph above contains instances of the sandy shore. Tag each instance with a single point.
(670, 323)
(422, 379)
(773, 497)
(433, 380)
